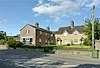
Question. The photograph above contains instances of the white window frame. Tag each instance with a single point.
(27, 31)
(75, 40)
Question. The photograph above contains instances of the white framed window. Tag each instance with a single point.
(65, 34)
(75, 40)
(27, 31)
(75, 34)
(65, 41)
(45, 40)
(39, 39)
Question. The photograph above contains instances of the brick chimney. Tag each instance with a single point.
(72, 24)
(48, 28)
(37, 24)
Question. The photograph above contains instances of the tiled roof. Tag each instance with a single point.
(80, 29)
(41, 29)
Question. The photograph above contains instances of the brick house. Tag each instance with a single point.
(35, 35)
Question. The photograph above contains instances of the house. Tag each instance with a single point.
(35, 35)
(70, 34)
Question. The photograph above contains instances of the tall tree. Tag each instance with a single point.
(88, 29)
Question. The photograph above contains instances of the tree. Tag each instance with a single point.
(2, 36)
(88, 29)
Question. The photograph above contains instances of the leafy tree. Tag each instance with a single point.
(88, 29)
(2, 36)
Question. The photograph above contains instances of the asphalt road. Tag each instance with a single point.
(30, 59)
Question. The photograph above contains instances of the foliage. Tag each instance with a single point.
(14, 44)
(88, 29)
(11, 43)
(2, 36)
(19, 44)
(2, 42)
(87, 42)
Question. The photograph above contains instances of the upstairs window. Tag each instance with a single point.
(27, 31)
(75, 34)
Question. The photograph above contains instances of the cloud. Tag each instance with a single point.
(3, 20)
(61, 8)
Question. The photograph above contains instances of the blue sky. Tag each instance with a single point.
(14, 14)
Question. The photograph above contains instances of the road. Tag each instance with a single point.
(34, 59)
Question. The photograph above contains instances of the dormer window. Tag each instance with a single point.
(27, 31)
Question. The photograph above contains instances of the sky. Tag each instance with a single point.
(15, 14)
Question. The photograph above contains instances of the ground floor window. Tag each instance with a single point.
(65, 41)
(75, 40)
(27, 41)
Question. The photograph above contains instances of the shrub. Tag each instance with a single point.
(68, 44)
(87, 42)
(19, 44)
(2, 42)
(12, 43)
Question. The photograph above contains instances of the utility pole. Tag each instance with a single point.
(93, 7)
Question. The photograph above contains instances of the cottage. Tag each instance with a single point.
(70, 34)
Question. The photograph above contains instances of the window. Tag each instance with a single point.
(65, 41)
(40, 40)
(75, 34)
(27, 31)
(65, 34)
(51, 41)
(76, 40)
(45, 40)
(40, 32)
(31, 39)
(23, 39)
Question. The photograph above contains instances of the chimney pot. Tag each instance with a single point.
(48, 28)
(72, 24)
(37, 24)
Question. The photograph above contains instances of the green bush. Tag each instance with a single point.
(87, 42)
(12, 43)
(19, 44)
(2, 42)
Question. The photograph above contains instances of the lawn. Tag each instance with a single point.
(73, 46)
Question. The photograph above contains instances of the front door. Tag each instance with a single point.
(27, 41)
